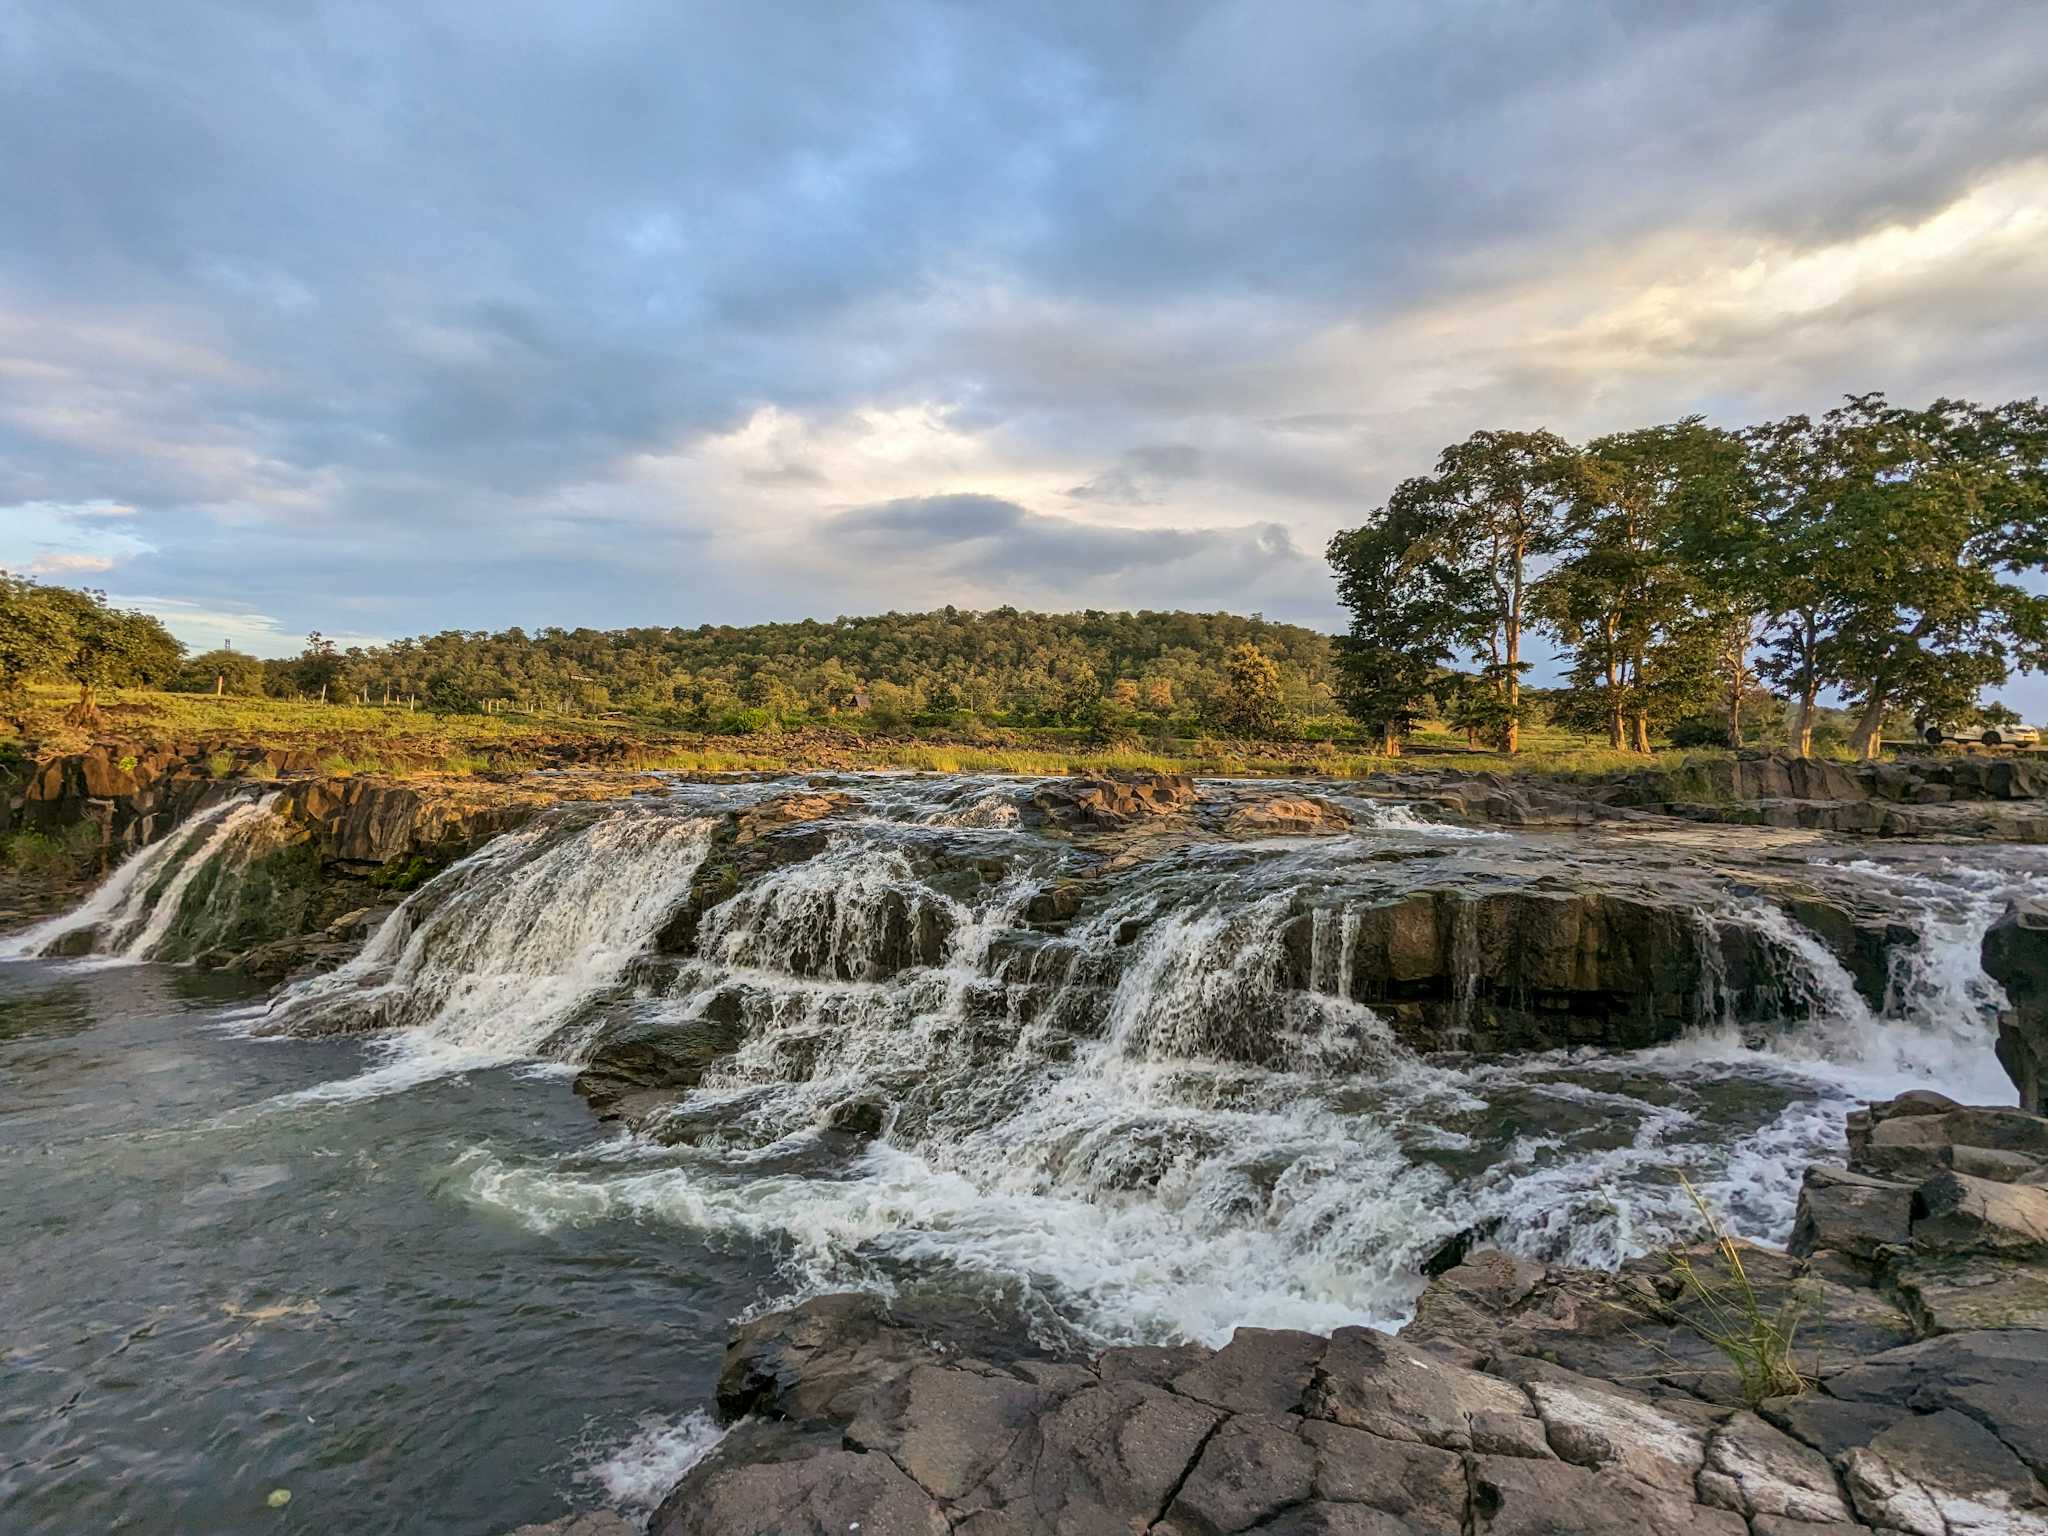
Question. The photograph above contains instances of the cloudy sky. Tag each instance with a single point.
(385, 319)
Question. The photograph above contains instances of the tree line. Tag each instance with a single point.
(1211, 671)
(1870, 553)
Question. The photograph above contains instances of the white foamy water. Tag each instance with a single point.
(1172, 1140)
(488, 962)
(641, 1473)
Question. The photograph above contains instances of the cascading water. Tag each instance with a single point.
(494, 958)
(1135, 1091)
(1155, 1085)
(129, 915)
(1134, 1122)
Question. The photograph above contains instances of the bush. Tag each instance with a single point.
(1710, 730)
(46, 856)
(742, 720)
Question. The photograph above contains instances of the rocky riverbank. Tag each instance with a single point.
(1521, 1399)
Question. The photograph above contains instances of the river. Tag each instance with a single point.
(409, 1281)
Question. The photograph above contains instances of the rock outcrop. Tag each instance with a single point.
(1520, 1400)
(2015, 955)
(1101, 802)
(1534, 969)
(1286, 816)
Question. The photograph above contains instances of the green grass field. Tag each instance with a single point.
(356, 739)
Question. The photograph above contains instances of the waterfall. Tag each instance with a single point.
(1938, 1023)
(493, 959)
(134, 908)
(1127, 1084)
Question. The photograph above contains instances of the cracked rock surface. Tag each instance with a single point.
(1521, 1401)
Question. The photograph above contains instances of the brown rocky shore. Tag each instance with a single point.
(1520, 1401)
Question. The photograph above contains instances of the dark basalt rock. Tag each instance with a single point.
(2015, 955)
(661, 1056)
(1538, 969)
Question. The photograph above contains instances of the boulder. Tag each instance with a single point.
(1287, 816)
(1850, 1213)
(646, 1054)
(785, 811)
(1533, 968)
(1964, 1294)
(1099, 802)
(1957, 1214)
(772, 1481)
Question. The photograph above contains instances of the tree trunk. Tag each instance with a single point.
(220, 684)
(1390, 739)
(323, 693)
(86, 712)
(1614, 736)
(1868, 736)
(1641, 731)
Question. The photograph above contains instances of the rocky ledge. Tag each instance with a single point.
(1521, 1399)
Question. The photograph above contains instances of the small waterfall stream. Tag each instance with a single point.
(130, 913)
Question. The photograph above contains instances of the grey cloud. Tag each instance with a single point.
(989, 542)
(1145, 470)
(353, 302)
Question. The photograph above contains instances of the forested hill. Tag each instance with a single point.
(1029, 668)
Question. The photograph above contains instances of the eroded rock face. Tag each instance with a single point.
(660, 1058)
(1532, 969)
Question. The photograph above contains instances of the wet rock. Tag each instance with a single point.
(1287, 816)
(1850, 1213)
(2015, 955)
(642, 1054)
(863, 1115)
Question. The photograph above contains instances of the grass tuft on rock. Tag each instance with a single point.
(1726, 1311)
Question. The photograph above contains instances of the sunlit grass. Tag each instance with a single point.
(354, 739)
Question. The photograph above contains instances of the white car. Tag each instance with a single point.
(1985, 735)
